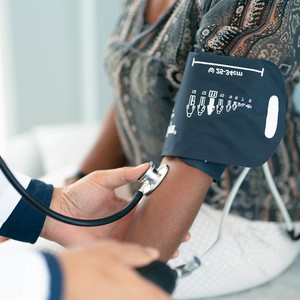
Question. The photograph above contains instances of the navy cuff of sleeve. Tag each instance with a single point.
(214, 170)
(56, 278)
(25, 223)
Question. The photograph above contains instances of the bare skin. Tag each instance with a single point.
(100, 269)
(91, 197)
(166, 215)
(164, 218)
(106, 271)
(155, 8)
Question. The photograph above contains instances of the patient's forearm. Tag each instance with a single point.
(107, 151)
(165, 216)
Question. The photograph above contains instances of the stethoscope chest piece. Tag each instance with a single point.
(152, 178)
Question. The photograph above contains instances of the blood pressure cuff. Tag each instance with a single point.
(228, 110)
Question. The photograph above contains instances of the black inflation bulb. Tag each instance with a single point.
(160, 274)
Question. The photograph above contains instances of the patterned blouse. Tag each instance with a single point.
(146, 61)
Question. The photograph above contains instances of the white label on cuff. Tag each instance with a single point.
(272, 117)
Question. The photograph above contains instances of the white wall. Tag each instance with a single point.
(5, 75)
(54, 54)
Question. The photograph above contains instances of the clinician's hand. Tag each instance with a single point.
(91, 197)
(106, 271)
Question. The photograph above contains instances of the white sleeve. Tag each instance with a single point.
(9, 197)
(24, 275)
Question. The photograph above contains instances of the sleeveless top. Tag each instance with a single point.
(145, 63)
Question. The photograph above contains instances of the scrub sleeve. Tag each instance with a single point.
(25, 224)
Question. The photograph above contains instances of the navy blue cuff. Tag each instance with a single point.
(25, 223)
(214, 170)
(56, 278)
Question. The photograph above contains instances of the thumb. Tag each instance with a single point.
(117, 177)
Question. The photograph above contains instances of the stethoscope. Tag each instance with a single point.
(158, 272)
(150, 180)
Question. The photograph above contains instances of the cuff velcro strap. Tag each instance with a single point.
(228, 110)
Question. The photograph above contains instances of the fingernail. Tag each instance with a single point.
(139, 166)
(152, 251)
